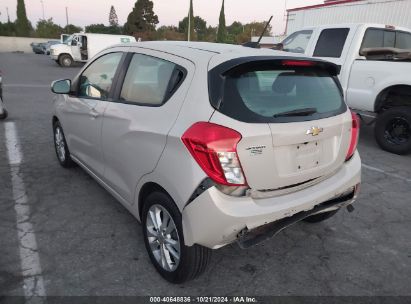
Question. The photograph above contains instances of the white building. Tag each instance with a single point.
(390, 12)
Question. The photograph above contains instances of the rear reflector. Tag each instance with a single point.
(298, 63)
(214, 148)
(355, 132)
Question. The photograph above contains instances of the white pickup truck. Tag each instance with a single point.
(375, 73)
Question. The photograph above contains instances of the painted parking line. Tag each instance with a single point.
(29, 257)
(386, 173)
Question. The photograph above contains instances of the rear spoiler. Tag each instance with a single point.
(386, 53)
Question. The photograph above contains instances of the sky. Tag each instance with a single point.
(85, 12)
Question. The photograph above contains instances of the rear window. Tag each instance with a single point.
(280, 94)
(374, 38)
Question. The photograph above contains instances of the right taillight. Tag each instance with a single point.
(355, 132)
(214, 148)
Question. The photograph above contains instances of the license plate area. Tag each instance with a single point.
(307, 155)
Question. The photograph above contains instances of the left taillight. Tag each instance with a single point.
(355, 132)
(214, 148)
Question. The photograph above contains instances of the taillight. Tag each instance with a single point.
(355, 132)
(214, 147)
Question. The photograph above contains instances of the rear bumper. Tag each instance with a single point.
(214, 219)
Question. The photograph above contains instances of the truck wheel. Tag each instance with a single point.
(316, 218)
(65, 60)
(393, 130)
(164, 241)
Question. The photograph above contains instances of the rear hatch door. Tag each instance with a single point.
(294, 123)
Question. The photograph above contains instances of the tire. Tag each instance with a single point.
(192, 260)
(61, 148)
(393, 130)
(316, 218)
(4, 115)
(66, 60)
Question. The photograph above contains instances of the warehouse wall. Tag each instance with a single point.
(22, 44)
(392, 12)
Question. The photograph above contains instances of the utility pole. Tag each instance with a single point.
(189, 26)
(42, 6)
(8, 16)
(67, 23)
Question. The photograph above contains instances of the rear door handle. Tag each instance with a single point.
(93, 113)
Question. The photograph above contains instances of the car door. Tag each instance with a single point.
(136, 125)
(83, 113)
(75, 48)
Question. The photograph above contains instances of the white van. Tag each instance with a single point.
(82, 46)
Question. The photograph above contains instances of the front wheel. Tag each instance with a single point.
(164, 241)
(66, 60)
(60, 145)
(3, 111)
(393, 130)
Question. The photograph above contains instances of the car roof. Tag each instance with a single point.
(196, 51)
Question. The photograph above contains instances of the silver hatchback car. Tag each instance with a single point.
(209, 144)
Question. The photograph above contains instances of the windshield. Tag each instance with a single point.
(68, 40)
(281, 94)
(297, 42)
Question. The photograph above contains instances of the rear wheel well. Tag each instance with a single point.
(145, 191)
(394, 96)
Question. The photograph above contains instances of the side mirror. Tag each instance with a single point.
(61, 86)
(278, 47)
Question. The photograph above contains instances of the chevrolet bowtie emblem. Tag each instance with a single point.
(314, 131)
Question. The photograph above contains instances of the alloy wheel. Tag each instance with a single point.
(163, 237)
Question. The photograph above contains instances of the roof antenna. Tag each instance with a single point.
(256, 45)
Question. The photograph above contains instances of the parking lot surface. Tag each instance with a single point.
(62, 234)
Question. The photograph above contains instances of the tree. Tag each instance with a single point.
(222, 30)
(23, 26)
(142, 19)
(102, 29)
(169, 33)
(48, 29)
(113, 19)
(72, 29)
(7, 29)
(190, 20)
(199, 28)
(252, 29)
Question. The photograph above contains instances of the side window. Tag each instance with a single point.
(403, 40)
(297, 42)
(150, 81)
(97, 79)
(331, 43)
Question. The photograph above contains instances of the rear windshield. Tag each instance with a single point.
(281, 95)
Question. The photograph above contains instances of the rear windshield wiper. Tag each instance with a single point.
(298, 112)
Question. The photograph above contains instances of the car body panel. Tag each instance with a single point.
(134, 136)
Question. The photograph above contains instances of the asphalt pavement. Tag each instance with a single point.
(82, 242)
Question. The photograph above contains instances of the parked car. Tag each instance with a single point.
(49, 44)
(82, 46)
(375, 63)
(39, 48)
(209, 144)
(3, 111)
